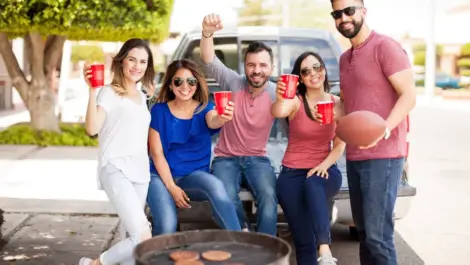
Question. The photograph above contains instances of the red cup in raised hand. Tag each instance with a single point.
(291, 85)
(97, 75)
(221, 99)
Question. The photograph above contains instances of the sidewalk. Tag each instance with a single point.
(55, 239)
(54, 213)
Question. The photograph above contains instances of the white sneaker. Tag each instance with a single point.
(327, 260)
(85, 261)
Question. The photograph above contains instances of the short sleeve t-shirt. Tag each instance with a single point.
(364, 73)
(248, 132)
(123, 135)
(186, 143)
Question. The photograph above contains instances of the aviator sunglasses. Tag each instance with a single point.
(308, 71)
(348, 11)
(178, 81)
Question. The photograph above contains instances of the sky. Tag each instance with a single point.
(394, 17)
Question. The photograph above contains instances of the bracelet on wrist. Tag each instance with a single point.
(207, 36)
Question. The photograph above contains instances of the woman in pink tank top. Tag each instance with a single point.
(309, 178)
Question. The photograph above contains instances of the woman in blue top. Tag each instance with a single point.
(181, 127)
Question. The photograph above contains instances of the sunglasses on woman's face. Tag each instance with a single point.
(308, 71)
(178, 81)
(348, 11)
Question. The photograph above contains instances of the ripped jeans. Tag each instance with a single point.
(128, 198)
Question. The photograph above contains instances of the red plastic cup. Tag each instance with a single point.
(97, 78)
(325, 108)
(221, 99)
(291, 85)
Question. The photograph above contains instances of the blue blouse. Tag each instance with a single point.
(186, 142)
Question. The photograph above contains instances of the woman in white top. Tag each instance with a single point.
(119, 115)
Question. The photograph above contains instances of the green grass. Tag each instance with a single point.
(71, 135)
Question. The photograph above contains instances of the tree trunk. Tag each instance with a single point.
(41, 98)
(41, 106)
(36, 94)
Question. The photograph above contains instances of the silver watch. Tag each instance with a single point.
(387, 133)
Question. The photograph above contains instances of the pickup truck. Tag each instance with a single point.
(287, 45)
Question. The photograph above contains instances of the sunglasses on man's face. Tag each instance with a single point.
(348, 11)
(178, 81)
(308, 71)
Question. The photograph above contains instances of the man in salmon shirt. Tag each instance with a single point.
(240, 154)
(375, 75)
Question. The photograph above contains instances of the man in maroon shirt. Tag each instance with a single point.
(375, 75)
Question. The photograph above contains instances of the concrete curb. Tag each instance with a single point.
(60, 206)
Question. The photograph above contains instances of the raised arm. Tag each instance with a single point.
(210, 24)
(215, 121)
(222, 74)
(97, 108)
(282, 108)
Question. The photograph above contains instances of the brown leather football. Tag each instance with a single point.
(361, 128)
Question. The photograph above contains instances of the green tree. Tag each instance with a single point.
(464, 61)
(301, 13)
(46, 24)
(419, 51)
(92, 53)
(253, 13)
(311, 14)
(420, 58)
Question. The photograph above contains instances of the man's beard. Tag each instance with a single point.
(259, 84)
(348, 33)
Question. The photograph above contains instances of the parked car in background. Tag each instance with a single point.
(442, 80)
(287, 45)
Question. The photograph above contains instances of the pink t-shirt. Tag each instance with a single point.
(309, 141)
(364, 73)
(248, 132)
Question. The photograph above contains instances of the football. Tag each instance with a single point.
(360, 128)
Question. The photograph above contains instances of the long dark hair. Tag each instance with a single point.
(202, 91)
(116, 66)
(301, 88)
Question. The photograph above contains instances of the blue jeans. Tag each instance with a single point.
(304, 202)
(199, 186)
(257, 174)
(373, 189)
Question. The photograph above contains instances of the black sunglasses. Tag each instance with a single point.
(178, 81)
(308, 71)
(348, 11)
